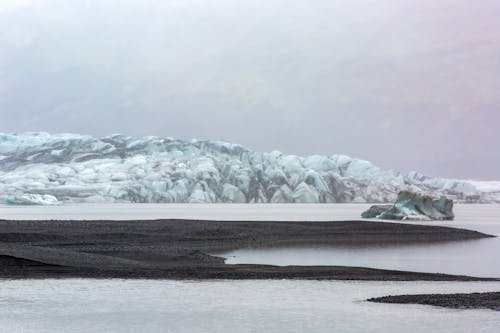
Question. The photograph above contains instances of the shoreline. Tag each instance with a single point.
(178, 249)
(485, 300)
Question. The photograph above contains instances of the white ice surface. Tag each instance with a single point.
(118, 168)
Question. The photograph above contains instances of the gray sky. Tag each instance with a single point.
(409, 84)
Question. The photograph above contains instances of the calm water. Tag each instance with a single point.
(79, 305)
(87, 305)
(256, 212)
(475, 257)
(485, 218)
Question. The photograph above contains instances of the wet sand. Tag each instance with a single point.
(178, 249)
(487, 300)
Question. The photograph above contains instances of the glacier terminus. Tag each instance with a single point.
(42, 168)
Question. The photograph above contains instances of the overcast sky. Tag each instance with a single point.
(409, 84)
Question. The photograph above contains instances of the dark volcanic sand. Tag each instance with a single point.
(177, 249)
(456, 301)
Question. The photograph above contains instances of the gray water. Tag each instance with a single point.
(79, 305)
(87, 305)
(476, 258)
(226, 212)
(473, 257)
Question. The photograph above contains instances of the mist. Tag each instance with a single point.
(408, 85)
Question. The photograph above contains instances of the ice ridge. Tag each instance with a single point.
(42, 168)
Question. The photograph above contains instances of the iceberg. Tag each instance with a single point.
(413, 206)
(43, 168)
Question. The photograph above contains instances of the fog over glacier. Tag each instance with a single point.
(407, 84)
(40, 168)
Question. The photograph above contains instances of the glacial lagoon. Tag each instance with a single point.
(472, 257)
(81, 305)
(89, 305)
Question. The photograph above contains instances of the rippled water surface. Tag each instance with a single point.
(79, 305)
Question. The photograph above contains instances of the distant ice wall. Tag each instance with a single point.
(119, 168)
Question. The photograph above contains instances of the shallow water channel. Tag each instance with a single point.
(473, 257)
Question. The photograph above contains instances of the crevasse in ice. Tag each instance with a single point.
(42, 168)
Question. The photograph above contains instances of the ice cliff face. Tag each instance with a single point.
(40, 168)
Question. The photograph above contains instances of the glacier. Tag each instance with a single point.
(43, 168)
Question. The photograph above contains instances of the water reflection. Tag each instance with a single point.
(473, 257)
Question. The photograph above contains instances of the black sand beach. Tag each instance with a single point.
(456, 301)
(178, 249)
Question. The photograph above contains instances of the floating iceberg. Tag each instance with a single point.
(413, 206)
(120, 168)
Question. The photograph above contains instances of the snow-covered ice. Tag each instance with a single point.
(42, 168)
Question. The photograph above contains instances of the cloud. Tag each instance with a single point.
(380, 80)
(12, 5)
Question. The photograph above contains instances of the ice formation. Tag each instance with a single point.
(413, 206)
(40, 168)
